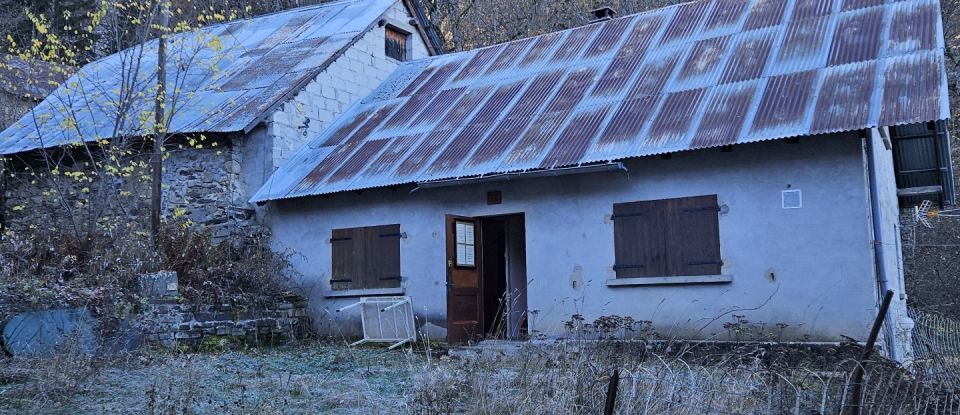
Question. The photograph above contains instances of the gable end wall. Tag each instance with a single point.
(354, 75)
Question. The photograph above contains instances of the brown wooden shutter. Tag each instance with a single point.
(671, 237)
(385, 259)
(367, 257)
(344, 244)
(695, 236)
(396, 44)
(638, 241)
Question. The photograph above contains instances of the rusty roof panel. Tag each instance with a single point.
(536, 139)
(440, 77)
(372, 123)
(629, 57)
(686, 21)
(572, 90)
(438, 106)
(463, 108)
(417, 82)
(859, 4)
(857, 37)
(654, 74)
(413, 106)
(236, 74)
(748, 56)
(574, 43)
(508, 57)
(703, 65)
(844, 100)
(725, 115)
(912, 88)
(458, 149)
(765, 13)
(342, 132)
(674, 119)
(725, 17)
(481, 59)
(497, 103)
(423, 153)
(785, 101)
(804, 45)
(538, 92)
(388, 159)
(608, 38)
(496, 144)
(913, 27)
(541, 49)
(803, 9)
(575, 139)
(625, 125)
(696, 75)
(358, 160)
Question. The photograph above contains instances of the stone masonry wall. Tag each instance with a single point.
(172, 324)
(355, 74)
(201, 185)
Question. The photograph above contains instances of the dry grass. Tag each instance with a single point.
(533, 378)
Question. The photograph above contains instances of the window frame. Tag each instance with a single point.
(667, 239)
(404, 49)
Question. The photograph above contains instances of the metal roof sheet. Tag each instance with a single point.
(231, 75)
(702, 74)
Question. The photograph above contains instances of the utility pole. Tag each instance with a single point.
(156, 157)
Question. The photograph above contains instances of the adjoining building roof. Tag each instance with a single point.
(230, 76)
(703, 74)
(30, 79)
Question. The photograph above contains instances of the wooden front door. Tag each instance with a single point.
(464, 286)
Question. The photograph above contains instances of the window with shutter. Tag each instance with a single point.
(396, 43)
(670, 237)
(365, 258)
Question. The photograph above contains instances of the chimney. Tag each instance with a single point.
(602, 13)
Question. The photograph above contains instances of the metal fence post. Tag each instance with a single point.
(857, 377)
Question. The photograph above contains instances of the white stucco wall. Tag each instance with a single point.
(889, 236)
(810, 268)
(353, 75)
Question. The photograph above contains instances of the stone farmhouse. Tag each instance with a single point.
(256, 89)
(713, 168)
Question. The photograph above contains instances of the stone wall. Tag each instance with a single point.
(199, 185)
(172, 325)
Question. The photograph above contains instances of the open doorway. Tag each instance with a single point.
(486, 278)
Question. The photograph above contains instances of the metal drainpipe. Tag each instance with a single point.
(878, 255)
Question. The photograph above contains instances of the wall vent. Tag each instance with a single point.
(792, 199)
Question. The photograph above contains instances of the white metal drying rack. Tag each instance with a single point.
(398, 310)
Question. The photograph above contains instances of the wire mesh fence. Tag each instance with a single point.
(749, 379)
(936, 346)
(678, 388)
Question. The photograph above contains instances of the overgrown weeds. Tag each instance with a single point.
(42, 269)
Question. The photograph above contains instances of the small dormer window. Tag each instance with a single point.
(396, 43)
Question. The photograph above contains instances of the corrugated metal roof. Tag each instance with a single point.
(30, 79)
(231, 74)
(702, 74)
